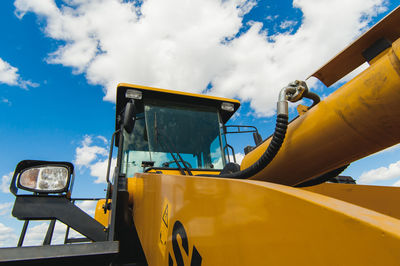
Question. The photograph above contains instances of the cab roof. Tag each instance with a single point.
(171, 95)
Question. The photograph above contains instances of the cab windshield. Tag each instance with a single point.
(164, 128)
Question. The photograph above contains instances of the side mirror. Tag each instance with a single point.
(129, 117)
(43, 177)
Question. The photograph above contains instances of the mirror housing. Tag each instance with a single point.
(129, 117)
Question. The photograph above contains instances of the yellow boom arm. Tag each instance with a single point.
(360, 118)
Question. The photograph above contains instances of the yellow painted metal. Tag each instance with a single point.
(244, 222)
(360, 118)
(378, 198)
(178, 92)
(177, 172)
(99, 214)
(302, 109)
(134, 185)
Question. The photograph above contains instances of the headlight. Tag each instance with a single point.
(45, 179)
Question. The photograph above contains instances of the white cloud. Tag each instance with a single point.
(103, 139)
(5, 208)
(59, 233)
(239, 157)
(287, 24)
(7, 236)
(99, 170)
(37, 230)
(87, 153)
(5, 182)
(35, 234)
(9, 75)
(259, 68)
(88, 206)
(381, 174)
(94, 157)
(180, 45)
(397, 183)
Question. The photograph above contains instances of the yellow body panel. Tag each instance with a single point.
(378, 198)
(134, 185)
(99, 214)
(244, 222)
(177, 172)
(360, 118)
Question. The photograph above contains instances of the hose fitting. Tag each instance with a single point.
(293, 92)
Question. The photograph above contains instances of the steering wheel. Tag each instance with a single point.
(166, 164)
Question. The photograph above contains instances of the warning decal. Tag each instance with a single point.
(164, 226)
(165, 216)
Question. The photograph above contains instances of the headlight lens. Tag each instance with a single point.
(44, 179)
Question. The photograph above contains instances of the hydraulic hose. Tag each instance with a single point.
(270, 152)
(293, 92)
(312, 96)
(323, 178)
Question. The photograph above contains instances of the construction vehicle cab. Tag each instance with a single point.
(171, 131)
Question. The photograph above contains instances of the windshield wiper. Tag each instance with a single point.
(183, 162)
(169, 149)
(173, 156)
(176, 161)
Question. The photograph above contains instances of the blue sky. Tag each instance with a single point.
(60, 63)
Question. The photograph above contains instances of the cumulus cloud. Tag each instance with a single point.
(87, 153)
(287, 24)
(35, 234)
(381, 174)
(5, 182)
(5, 208)
(99, 170)
(59, 233)
(102, 138)
(7, 236)
(92, 154)
(37, 231)
(88, 206)
(9, 75)
(239, 157)
(198, 46)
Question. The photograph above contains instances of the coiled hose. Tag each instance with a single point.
(293, 92)
(269, 154)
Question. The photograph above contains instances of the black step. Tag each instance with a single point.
(98, 253)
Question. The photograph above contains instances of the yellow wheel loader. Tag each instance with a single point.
(178, 197)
